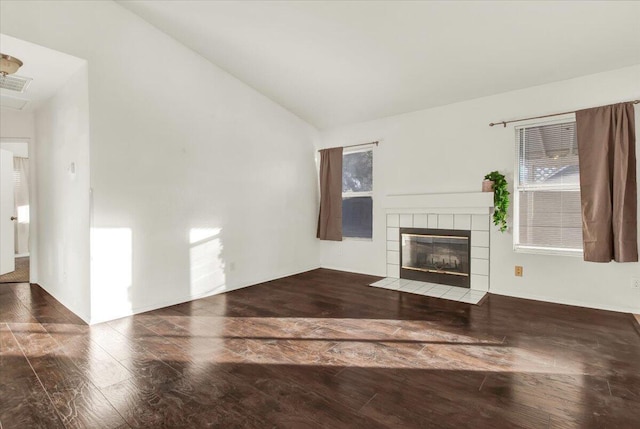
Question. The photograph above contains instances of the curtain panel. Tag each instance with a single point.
(330, 217)
(606, 151)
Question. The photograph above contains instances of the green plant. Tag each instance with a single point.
(500, 199)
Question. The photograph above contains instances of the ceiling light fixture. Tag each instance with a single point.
(9, 64)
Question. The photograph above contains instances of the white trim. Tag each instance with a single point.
(457, 201)
(168, 303)
(444, 210)
(363, 148)
(351, 194)
(351, 270)
(573, 302)
(15, 140)
(358, 238)
(578, 253)
(85, 318)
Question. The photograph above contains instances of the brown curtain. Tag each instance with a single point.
(606, 148)
(330, 218)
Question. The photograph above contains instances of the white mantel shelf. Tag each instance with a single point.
(470, 202)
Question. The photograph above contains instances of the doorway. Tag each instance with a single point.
(15, 210)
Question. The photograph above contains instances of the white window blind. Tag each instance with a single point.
(548, 215)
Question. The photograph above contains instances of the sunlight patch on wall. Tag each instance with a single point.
(205, 261)
(200, 234)
(111, 272)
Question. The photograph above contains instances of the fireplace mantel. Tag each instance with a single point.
(458, 202)
(468, 211)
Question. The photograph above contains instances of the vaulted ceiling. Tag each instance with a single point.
(334, 63)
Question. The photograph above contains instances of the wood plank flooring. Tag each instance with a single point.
(318, 350)
(20, 274)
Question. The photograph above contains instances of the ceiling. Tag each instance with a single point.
(49, 70)
(334, 63)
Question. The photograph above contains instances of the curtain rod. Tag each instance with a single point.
(356, 145)
(504, 123)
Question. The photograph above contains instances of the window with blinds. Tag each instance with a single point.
(547, 198)
(357, 194)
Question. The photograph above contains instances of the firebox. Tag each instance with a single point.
(436, 256)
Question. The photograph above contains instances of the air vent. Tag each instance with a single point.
(15, 83)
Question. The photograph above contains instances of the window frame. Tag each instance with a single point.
(351, 194)
(518, 188)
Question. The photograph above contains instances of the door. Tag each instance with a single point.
(7, 253)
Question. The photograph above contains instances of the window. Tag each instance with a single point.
(357, 194)
(547, 190)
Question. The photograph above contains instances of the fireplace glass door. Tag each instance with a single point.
(435, 256)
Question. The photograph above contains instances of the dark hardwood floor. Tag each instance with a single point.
(318, 350)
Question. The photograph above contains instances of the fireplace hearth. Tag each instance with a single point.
(436, 255)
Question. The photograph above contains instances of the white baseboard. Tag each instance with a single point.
(77, 312)
(350, 270)
(168, 303)
(573, 302)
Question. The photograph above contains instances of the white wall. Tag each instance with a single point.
(62, 197)
(179, 148)
(14, 124)
(451, 148)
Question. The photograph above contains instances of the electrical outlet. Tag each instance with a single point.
(518, 271)
(635, 283)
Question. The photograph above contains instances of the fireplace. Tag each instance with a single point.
(436, 255)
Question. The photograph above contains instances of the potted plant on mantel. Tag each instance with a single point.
(496, 182)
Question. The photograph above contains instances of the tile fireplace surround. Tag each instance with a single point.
(464, 211)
